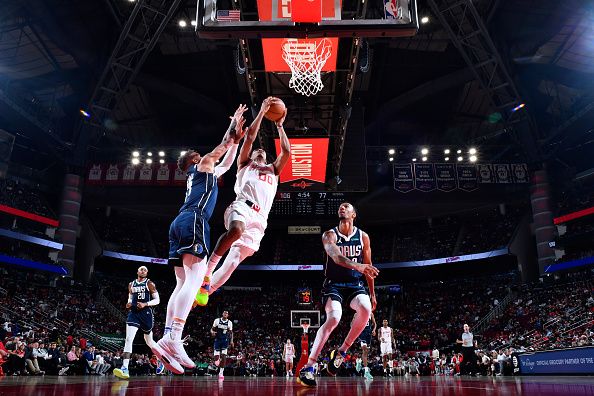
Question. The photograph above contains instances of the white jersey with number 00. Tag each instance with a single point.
(257, 183)
(386, 334)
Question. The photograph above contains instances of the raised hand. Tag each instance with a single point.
(266, 104)
(240, 131)
(239, 112)
(280, 122)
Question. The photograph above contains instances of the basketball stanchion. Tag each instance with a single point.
(304, 348)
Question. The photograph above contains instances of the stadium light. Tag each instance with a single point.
(460, 158)
(391, 151)
(472, 158)
(472, 151)
(84, 113)
(183, 152)
(414, 160)
(424, 20)
(182, 23)
(446, 159)
(391, 159)
(135, 161)
(161, 153)
(424, 151)
(135, 154)
(518, 107)
(446, 151)
(150, 153)
(149, 161)
(459, 151)
(161, 161)
(193, 22)
(424, 159)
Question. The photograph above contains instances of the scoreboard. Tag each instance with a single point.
(307, 204)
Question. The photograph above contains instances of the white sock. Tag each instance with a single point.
(180, 277)
(125, 365)
(221, 370)
(184, 299)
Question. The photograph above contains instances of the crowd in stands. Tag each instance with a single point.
(24, 197)
(574, 196)
(426, 316)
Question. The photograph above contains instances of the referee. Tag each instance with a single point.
(468, 355)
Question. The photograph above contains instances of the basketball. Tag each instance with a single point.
(276, 111)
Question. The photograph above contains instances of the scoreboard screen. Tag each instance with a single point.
(307, 204)
(304, 296)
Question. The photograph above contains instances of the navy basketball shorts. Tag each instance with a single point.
(221, 346)
(142, 319)
(365, 336)
(189, 233)
(343, 292)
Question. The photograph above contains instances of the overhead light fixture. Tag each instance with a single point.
(182, 23)
(84, 113)
(424, 159)
(150, 153)
(460, 158)
(135, 161)
(161, 153)
(472, 151)
(414, 160)
(472, 158)
(161, 161)
(149, 161)
(518, 107)
(424, 20)
(446, 159)
(459, 151)
(182, 153)
(193, 22)
(391, 159)
(424, 151)
(391, 151)
(446, 151)
(135, 154)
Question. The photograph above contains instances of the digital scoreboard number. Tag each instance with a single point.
(304, 296)
(307, 204)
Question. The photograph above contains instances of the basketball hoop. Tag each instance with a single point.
(306, 60)
(305, 327)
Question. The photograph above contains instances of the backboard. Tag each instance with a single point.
(311, 317)
(218, 19)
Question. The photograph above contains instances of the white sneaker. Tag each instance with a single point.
(176, 349)
(168, 359)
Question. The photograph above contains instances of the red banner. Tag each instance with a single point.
(308, 160)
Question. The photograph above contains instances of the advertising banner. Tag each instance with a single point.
(557, 362)
(307, 162)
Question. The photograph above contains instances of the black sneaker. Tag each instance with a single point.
(307, 377)
(336, 359)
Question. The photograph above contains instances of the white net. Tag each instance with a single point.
(306, 60)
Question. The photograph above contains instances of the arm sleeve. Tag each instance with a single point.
(230, 325)
(129, 298)
(227, 161)
(155, 300)
(215, 323)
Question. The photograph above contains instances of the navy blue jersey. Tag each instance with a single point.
(201, 192)
(351, 247)
(223, 328)
(140, 293)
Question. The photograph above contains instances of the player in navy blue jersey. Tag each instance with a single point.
(222, 330)
(189, 237)
(348, 251)
(142, 297)
(365, 339)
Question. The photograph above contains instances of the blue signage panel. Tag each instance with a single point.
(563, 361)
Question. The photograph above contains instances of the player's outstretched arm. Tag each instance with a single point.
(367, 260)
(229, 157)
(329, 242)
(252, 132)
(285, 145)
(207, 162)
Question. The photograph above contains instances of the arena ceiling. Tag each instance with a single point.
(415, 91)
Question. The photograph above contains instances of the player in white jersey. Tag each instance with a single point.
(288, 356)
(386, 338)
(246, 218)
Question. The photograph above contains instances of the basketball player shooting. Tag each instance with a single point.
(142, 297)
(348, 251)
(246, 218)
(189, 239)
